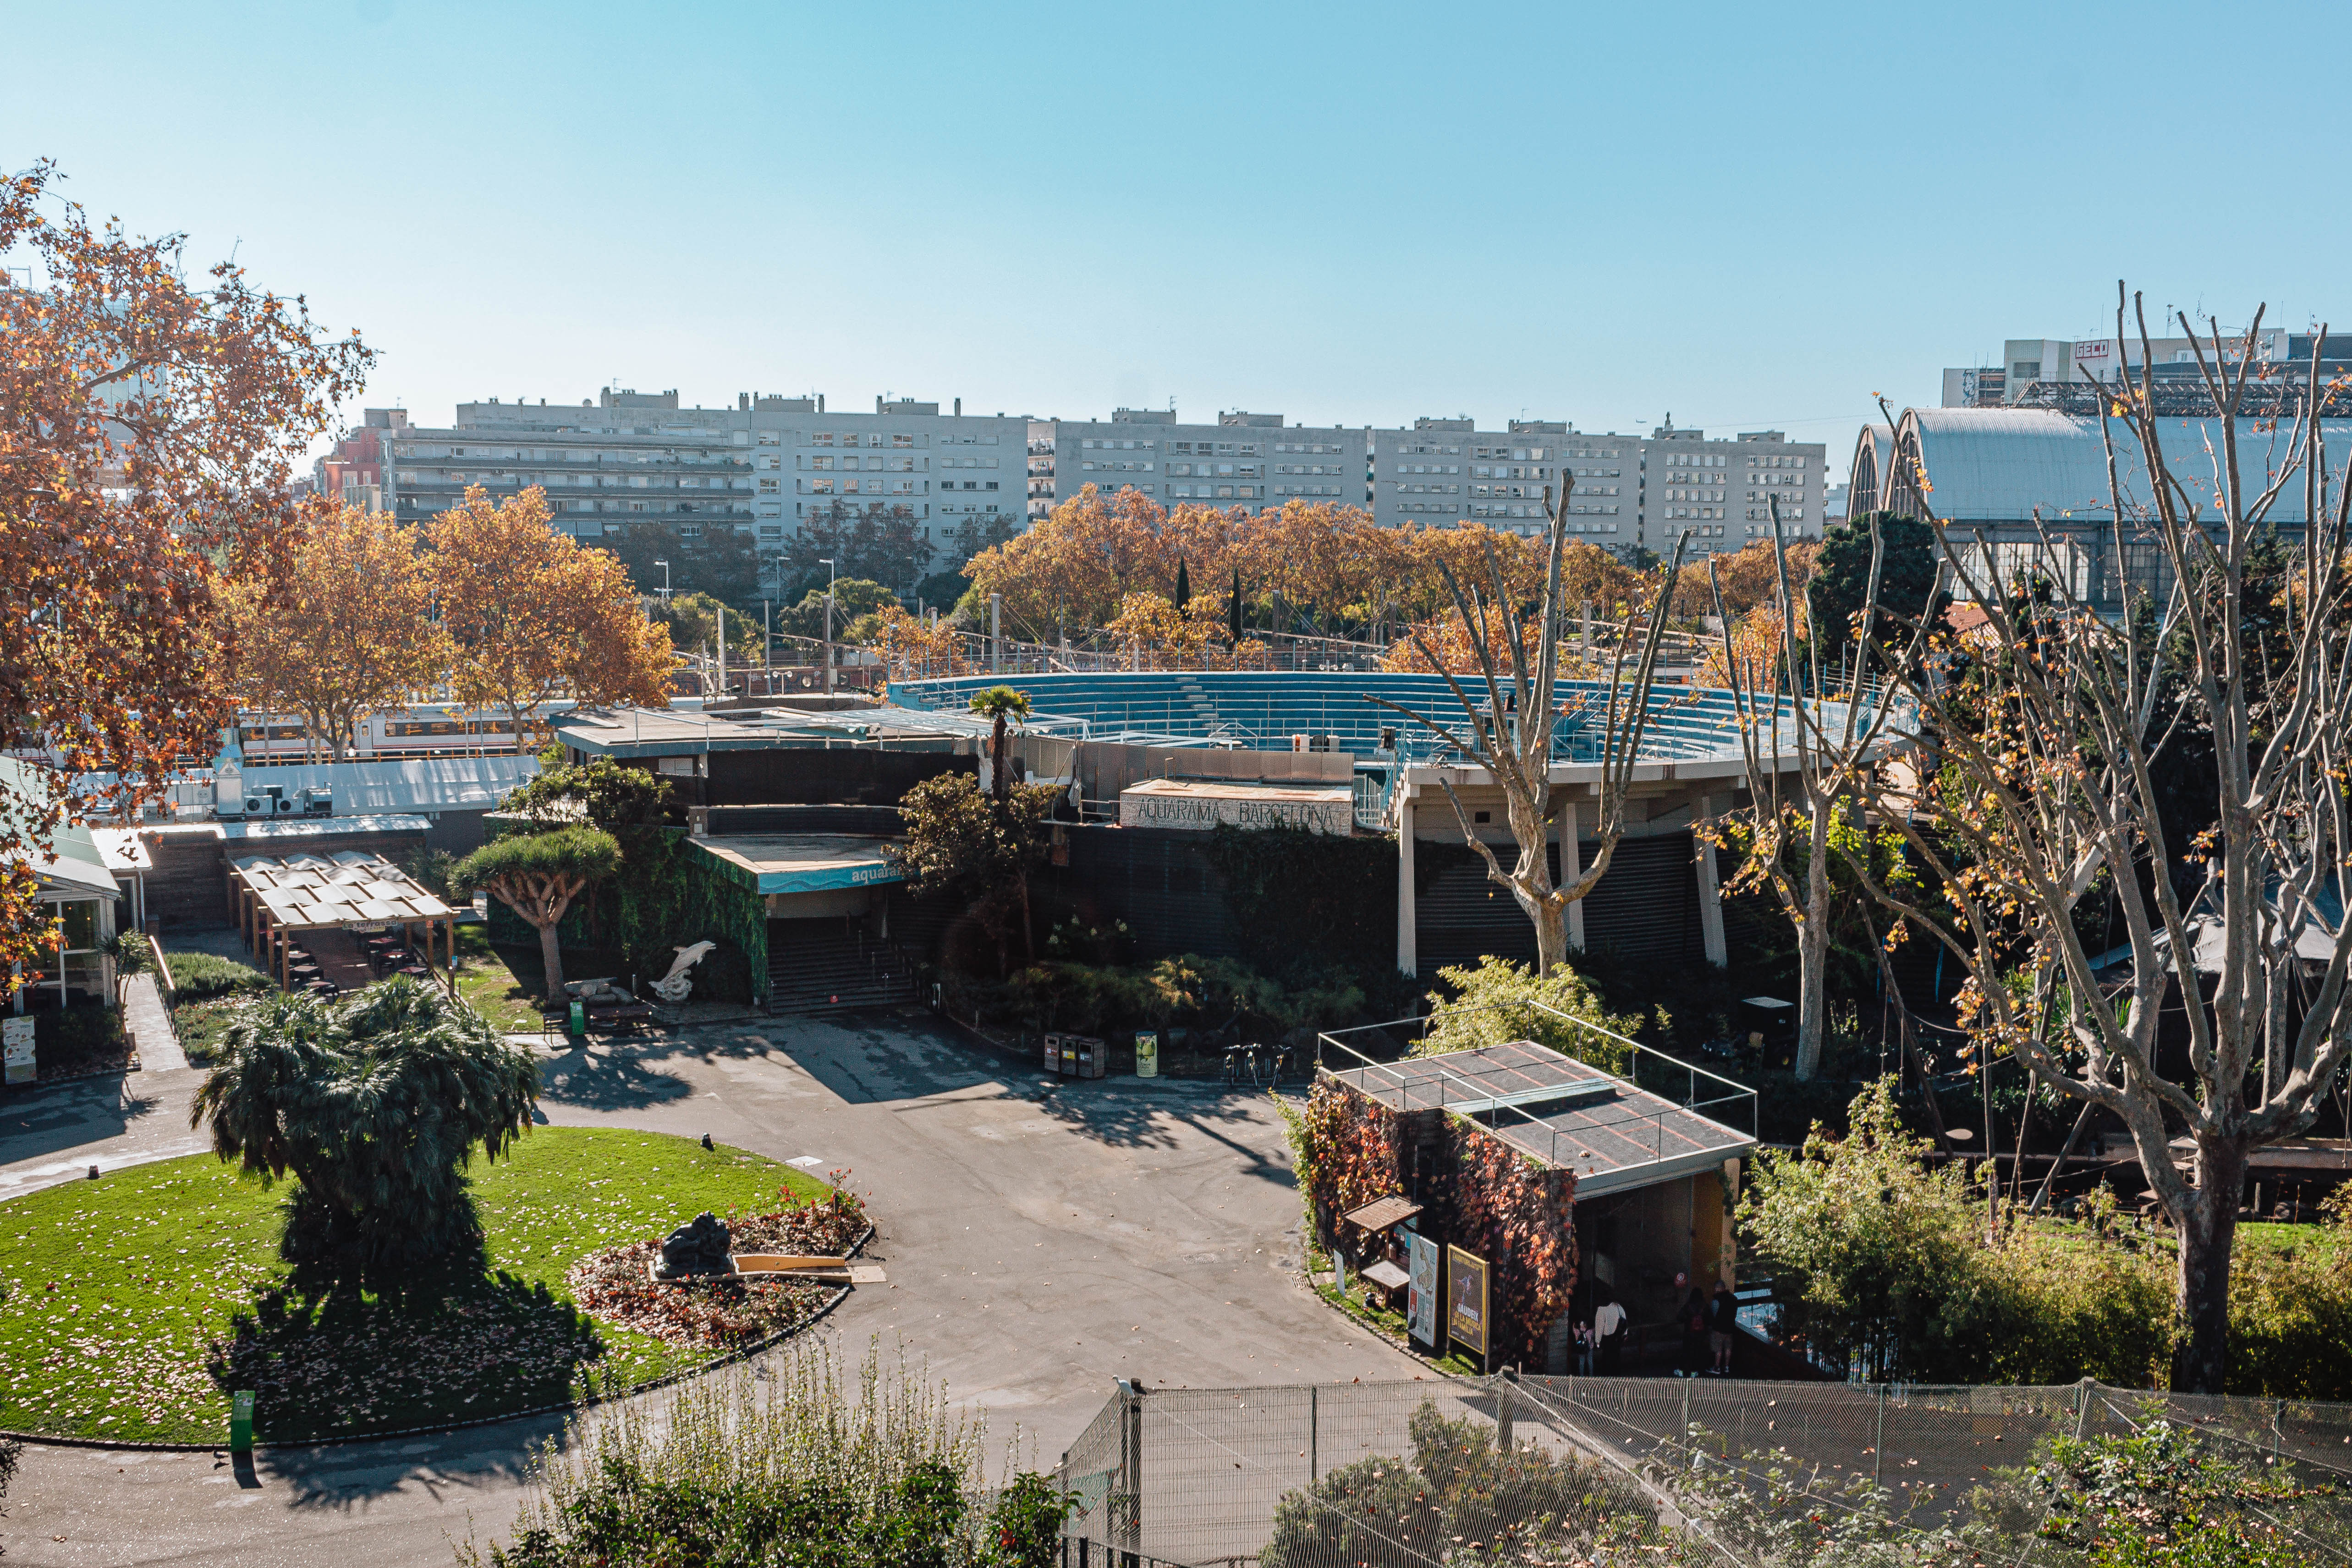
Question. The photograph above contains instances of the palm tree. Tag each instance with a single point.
(373, 1105)
(999, 703)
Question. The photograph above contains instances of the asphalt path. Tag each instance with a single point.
(1042, 1238)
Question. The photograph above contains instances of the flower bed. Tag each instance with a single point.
(615, 1285)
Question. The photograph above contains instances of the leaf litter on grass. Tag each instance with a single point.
(129, 1308)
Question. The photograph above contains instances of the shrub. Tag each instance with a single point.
(1463, 1499)
(1212, 994)
(1499, 1000)
(807, 1467)
(198, 976)
(89, 1038)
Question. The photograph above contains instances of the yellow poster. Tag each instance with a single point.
(1466, 1299)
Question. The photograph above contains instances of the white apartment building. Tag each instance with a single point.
(1443, 471)
(761, 466)
(2060, 372)
(769, 464)
(1722, 492)
(1253, 461)
(1629, 492)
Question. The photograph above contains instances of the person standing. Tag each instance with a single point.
(1693, 1326)
(1722, 1323)
(1608, 1326)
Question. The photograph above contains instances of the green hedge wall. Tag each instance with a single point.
(666, 894)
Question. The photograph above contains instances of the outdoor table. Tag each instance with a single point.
(416, 971)
(1387, 1276)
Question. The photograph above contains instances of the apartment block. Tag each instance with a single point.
(1443, 471)
(1253, 460)
(1721, 491)
(2061, 373)
(1628, 492)
(762, 466)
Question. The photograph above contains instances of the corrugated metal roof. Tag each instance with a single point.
(423, 784)
(2004, 465)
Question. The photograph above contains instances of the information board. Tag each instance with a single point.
(1421, 1290)
(1466, 1299)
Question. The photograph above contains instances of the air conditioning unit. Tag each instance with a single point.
(319, 801)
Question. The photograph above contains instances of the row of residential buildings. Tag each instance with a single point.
(767, 464)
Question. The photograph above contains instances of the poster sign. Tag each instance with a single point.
(1466, 1299)
(1421, 1290)
(1146, 1054)
(17, 1046)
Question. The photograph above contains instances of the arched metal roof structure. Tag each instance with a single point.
(2001, 478)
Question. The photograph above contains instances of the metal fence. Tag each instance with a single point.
(1356, 1473)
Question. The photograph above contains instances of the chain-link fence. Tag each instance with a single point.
(1588, 1471)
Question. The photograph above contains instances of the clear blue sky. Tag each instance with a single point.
(1745, 214)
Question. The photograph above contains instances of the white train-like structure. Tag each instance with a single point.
(392, 734)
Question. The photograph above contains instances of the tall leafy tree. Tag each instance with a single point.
(151, 415)
(719, 561)
(337, 625)
(538, 876)
(969, 847)
(534, 617)
(375, 1105)
(1511, 734)
(1904, 554)
(880, 540)
(2048, 784)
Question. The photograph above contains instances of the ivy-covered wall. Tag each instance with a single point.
(1476, 1191)
(666, 894)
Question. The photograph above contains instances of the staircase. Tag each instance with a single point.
(833, 966)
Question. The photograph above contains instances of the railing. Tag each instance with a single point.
(1429, 1085)
(1215, 1475)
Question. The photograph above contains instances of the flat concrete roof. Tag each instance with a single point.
(659, 732)
(1615, 1135)
(800, 862)
(322, 826)
(1244, 789)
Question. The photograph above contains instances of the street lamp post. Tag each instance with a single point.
(830, 574)
(664, 566)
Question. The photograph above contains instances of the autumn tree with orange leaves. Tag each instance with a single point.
(150, 419)
(534, 617)
(1072, 571)
(336, 625)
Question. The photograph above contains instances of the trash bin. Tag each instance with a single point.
(1146, 1054)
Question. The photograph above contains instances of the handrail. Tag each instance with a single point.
(1485, 1101)
(170, 986)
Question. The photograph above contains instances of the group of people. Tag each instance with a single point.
(1707, 1324)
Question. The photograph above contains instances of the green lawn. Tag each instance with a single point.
(504, 983)
(1358, 1304)
(134, 1304)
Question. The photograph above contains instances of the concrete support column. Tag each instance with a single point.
(1571, 865)
(1710, 895)
(1408, 955)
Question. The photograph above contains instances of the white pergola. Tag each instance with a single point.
(275, 898)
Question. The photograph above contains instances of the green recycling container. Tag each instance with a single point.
(240, 1421)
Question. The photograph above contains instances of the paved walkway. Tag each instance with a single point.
(151, 1025)
(1042, 1237)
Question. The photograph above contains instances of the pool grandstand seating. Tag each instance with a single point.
(1256, 711)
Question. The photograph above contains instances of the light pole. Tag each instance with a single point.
(830, 573)
(664, 566)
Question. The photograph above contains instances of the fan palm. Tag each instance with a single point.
(999, 703)
(373, 1105)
